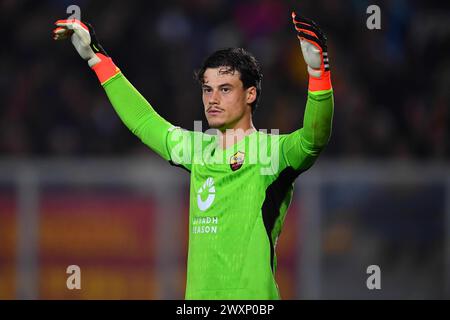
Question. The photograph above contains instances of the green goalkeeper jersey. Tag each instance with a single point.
(239, 196)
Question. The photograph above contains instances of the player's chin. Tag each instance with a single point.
(215, 123)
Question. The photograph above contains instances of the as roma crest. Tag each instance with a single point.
(237, 160)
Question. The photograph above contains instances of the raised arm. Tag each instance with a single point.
(133, 109)
(302, 147)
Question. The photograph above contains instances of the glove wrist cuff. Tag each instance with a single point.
(105, 69)
(321, 83)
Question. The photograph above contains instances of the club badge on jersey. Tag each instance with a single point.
(237, 160)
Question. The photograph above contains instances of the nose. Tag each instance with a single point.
(214, 97)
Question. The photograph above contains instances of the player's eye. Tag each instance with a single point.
(207, 90)
(226, 90)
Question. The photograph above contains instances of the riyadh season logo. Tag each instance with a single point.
(207, 187)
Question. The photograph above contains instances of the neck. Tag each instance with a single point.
(231, 136)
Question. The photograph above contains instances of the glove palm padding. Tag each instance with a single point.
(313, 45)
(83, 39)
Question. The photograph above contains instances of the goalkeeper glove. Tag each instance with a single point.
(314, 49)
(85, 42)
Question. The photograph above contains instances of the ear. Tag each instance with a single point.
(251, 95)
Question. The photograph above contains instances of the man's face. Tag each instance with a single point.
(226, 102)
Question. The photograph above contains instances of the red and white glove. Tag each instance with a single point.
(314, 49)
(85, 42)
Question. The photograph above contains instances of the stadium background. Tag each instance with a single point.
(77, 188)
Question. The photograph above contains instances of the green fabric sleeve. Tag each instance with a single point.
(301, 148)
(138, 115)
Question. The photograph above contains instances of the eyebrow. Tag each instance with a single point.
(220, 86)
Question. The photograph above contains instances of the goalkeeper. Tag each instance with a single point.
(237, 206)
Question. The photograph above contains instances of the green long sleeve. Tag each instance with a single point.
(138, 115)
(301, 148)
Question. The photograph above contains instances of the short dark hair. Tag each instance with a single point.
(236, 59)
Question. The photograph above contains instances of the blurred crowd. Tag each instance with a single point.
(391, 85)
